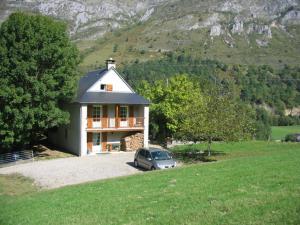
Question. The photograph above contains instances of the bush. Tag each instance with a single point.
(263, 131)
(262, 126)
(288, 120)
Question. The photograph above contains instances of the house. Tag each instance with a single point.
(105, 111)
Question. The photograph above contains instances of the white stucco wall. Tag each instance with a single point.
(83, 133)
(68, 137)
(146, 126)
(139, 111)
(111, 77)
(115, 137)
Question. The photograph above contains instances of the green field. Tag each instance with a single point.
(251, 183)
(279, 132)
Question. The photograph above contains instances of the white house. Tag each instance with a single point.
(105, 110)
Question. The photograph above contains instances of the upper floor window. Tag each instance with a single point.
(123, 112)
(103, 87)
(96, 113)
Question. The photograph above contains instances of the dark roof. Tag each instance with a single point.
(88, 80)
(105, 97)
(112, 98)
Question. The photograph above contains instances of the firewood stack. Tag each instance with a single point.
(132, 142)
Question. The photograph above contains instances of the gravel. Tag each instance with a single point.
(67, 171)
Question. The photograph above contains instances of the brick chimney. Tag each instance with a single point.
(110, 63)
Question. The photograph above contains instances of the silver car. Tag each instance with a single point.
(153, 158)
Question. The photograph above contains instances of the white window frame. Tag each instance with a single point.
(127, 112)
(97, 117)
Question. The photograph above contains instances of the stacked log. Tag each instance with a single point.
(132, 142)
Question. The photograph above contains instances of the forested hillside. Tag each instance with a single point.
(270, 91)
(279, 89)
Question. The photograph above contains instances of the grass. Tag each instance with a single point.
(279, 132)
(16, 184)
(255, 183)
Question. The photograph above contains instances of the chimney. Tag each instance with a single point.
(110, 63)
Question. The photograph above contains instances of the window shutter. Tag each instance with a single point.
(90, 116)
(131, 115)
(104, 142)
(104, 119)
(90, 142)
(109, 87)
(117, 115)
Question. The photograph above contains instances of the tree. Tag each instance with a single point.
(168, 100)
(262, 124)
(218, 117)
(38, 73)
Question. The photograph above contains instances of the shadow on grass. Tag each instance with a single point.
(190, 156)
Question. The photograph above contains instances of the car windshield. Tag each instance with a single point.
(160, 155)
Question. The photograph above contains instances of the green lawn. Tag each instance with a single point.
(252, 183)
(279, 132)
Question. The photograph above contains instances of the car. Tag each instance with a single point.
(153, 158)
(292, 137)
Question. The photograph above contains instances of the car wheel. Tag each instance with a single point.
(136, 164)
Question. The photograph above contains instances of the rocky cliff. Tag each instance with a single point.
(93, 18)
(208, 26)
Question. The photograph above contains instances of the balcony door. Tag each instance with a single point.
(97, 115)
(123, 116)
(111, 116)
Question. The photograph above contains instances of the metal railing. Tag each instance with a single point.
(15, 157)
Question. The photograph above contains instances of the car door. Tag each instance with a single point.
(141, 158)
(148, 160)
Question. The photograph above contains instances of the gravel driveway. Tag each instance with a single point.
(60, 172)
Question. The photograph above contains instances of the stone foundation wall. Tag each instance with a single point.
(132, 142)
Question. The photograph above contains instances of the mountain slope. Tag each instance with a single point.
(239, 31)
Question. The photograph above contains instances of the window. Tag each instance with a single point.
(103, 87)
(106, 87)
(160, 155)
(96, 113)
(123, 113)
(148, 155)
(143, 153)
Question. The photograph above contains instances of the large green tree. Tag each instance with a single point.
(168, 98)
(38, 73)
(218, 117)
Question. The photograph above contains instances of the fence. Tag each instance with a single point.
(15, 157)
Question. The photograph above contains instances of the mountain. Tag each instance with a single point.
(238, 31)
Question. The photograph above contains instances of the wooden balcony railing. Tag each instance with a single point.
(130, 122)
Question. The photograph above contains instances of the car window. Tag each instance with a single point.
(142, 153)
(147, 154)
(160, 155)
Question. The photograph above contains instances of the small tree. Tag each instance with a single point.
(216, 118)
(38, 73)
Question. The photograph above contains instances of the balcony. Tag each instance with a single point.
(130, 123)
